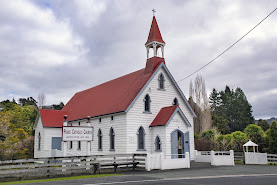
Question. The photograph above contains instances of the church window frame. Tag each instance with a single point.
(39, 141)
(100, 140)
(79, 145)
(161, 82)
(141, 139)
(175, 101)
(112, 139)
(147, 104)
(158, 144)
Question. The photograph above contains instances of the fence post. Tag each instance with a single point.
(188, 159)
(148, 162)
(162, 161)
(88, 163)
(212, 157)
(233, 157)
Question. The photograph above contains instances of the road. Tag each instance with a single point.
(198, 174)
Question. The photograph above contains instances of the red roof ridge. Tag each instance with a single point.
(52, 118)
(110, 97)
(163, 116)
(154, 33)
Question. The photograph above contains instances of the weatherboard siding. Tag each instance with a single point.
(119, 126)
(39, 129)
(159, 99)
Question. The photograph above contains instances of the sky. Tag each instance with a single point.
(61, 47)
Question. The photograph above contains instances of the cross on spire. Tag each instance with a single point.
(153, 11)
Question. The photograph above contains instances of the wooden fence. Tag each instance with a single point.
(64, 166)
(239, 157)
(272, 159)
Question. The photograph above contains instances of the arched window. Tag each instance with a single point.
(147, 103)
(161, 81)
(111, 139)
(175, 101)
(39, 140)
(100, 140)
(141, 138)
(158, 144)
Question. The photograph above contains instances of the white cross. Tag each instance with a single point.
(153, 11)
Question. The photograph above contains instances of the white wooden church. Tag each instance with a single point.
(142, 112)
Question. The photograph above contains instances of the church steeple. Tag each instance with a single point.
(155, 39)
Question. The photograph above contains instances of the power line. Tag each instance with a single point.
(228, 47)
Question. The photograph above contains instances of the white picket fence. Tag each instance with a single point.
(216, 158)
(164, 162)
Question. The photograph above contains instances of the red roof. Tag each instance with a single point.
(154, 34)
(163, 116)
(52, 118)
(111, 97)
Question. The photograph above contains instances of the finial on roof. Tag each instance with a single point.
(153, 11)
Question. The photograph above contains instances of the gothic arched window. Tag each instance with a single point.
(39, 141)
(100, 147)
(141, 138)
(175, 101)
(111, 139)
(158, 144)
(147, 103)
(161, 81)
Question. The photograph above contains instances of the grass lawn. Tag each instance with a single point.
(59, 179)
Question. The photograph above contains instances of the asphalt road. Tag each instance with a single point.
(198, 174)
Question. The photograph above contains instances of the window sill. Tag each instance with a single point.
(161, 89)
(141, 149)
(79, 149)
(146, 112)
(158, 150)
(112, 150)
(100, 149)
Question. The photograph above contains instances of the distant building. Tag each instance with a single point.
(142, 112)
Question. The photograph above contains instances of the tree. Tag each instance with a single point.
(224, 142)
(233, 107)
(272, 138)
(263, 124)
(199, 101)
(208, 134)
(27, 101)
(41, 99)
(239, 138)
(59, 106)
(255, 133)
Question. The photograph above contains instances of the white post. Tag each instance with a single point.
(162, 48)
(188, 159)
(212, 157)
(162, 160)
(64, 143)
(233, 157)
(148, 162)
(155, 50)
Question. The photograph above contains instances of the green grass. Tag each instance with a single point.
(59, 179)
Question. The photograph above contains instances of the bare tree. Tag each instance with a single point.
(199, 95)
(41, 99)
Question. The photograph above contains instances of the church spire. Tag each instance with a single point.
(155, 39)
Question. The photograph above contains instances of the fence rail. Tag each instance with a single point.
(272, 158)
(239, 157)
(56, 166)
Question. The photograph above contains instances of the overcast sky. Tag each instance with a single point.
(62, 47)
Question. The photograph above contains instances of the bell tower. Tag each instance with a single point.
(155, 40)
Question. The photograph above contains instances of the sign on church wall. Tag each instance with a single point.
(77, 133)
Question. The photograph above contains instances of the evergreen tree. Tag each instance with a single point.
(232, 107)
(263, 123)
(272, 137)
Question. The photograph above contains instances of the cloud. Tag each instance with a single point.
(62, 47)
